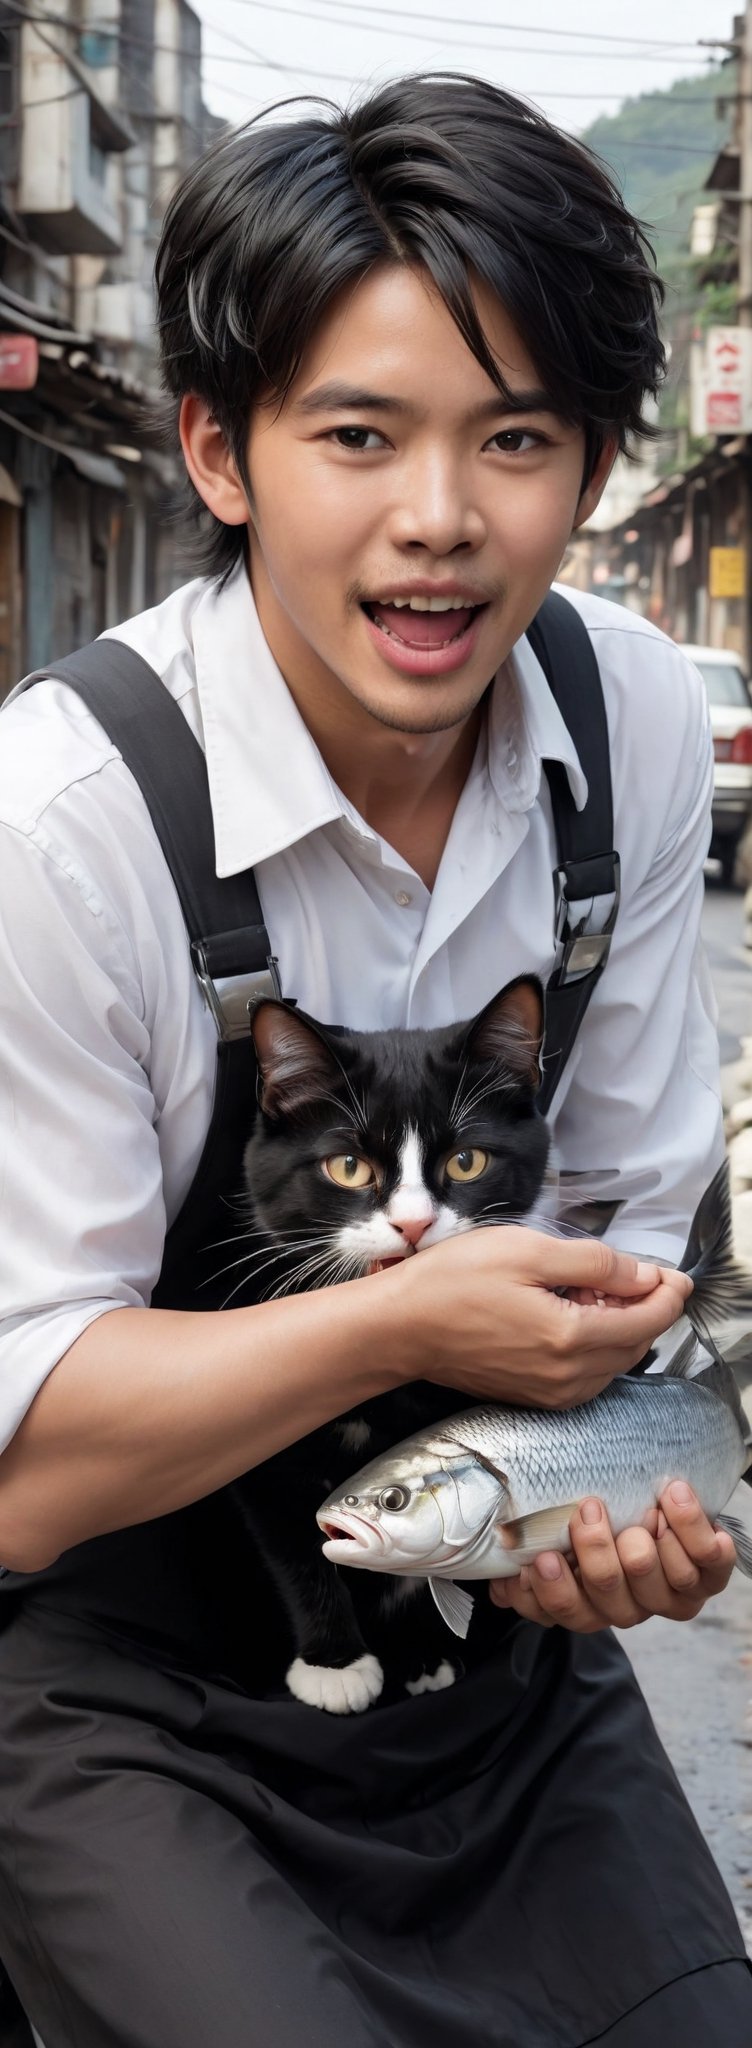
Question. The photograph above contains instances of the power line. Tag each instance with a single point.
(350, 78)
(16, 119)
(257, 60)
(373, 27)
(506, 27)
(79, 70)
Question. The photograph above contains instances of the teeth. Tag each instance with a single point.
(429, 604)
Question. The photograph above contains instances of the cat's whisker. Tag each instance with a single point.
(457, 1098)
(294, 1283)
(477, 1099)
(287, 1238)
(271, 1261)
(330, 1272)
(238, 1237)
(308, 1271)
(248, 1259)
(358, 1104)
(349, 1261)
(282, 1252)
(347, 1108)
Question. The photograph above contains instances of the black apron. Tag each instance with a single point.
(507, 1862)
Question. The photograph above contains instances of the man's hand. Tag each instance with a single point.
(515, 1315)
(670, 1566)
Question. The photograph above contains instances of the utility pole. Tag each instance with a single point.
(743, 32)
(743, 28)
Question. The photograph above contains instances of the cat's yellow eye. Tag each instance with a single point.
(467, 1165)
(348, 1171)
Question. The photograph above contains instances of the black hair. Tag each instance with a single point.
(440, 170)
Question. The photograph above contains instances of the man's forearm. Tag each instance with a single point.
(153, 1408)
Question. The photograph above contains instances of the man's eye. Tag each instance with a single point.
(347, 1170)
(355, 438)
(510, 440)
(467, 1165)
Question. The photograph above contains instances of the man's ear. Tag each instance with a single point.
(295, 1064)
(510, 1030)
(594, 489)
(209, 463)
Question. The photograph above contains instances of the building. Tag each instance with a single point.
(681, 551)
(97, 124)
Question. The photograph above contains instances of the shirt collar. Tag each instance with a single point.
(268, 782)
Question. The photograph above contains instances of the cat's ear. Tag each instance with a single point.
(295, 1064)
(510, 1030)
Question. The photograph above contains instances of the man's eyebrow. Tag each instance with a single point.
(337, 397)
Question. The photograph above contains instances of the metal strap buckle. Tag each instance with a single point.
(580, 952)
(232, 996)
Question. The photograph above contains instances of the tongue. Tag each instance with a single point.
(421, 629)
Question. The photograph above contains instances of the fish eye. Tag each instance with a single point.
(466, 1165)
(347, 1170)
(393, 1498)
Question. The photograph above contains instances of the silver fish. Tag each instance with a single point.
(482, 1494)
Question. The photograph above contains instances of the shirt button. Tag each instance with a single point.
(403, 898)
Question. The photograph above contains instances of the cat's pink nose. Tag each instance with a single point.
(413, 1227)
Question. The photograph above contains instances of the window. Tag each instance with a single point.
(724, 683)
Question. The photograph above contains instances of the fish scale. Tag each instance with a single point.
(617, 1445)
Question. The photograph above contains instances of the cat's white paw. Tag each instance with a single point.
(432, 1681)
(348, 1691)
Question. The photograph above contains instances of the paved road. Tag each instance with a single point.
(730, 963)
(697, 1678)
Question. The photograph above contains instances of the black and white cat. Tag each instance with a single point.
(369, 1147)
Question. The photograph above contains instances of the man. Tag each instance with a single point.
(404, 345)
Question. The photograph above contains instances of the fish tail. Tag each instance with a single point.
(722, 1287)
(742, 1540)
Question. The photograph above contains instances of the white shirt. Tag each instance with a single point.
(107, 1050)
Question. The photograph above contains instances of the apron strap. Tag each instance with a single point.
(586, 878)
(229, 943)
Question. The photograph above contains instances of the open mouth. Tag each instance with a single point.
(419, 629)
(380, 1265)
(351, 1530)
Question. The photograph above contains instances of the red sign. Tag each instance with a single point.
(19, 362)
(724, 410)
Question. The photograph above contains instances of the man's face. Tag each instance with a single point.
(413, 476)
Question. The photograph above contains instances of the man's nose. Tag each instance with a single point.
(437, 511)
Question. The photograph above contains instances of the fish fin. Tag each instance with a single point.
(739, 1356)
(742, 1541)
(722, 1287)
(454, 1604)
(542, 1528)
(677, 1366)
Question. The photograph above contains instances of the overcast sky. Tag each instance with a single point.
(332, 47)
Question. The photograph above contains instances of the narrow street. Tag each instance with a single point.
(698, 1678)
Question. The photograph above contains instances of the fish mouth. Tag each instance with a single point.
(349, 1529)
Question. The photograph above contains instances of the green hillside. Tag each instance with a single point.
(661, 147)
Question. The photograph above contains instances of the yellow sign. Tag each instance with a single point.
(728, 572)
